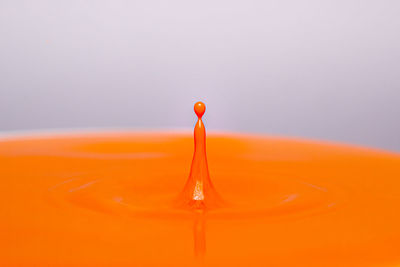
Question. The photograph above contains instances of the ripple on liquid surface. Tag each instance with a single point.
(322, 204)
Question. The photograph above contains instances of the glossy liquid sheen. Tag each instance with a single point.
(125, 199)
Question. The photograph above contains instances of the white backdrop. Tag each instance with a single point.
(315, 69)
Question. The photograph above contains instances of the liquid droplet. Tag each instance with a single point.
(199, 192)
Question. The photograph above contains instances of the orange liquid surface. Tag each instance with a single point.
(124, 199)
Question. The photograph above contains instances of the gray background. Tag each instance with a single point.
(316, 69)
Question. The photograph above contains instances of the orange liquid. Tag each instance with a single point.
(116, 199)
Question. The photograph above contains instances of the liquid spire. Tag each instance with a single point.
(199, 192)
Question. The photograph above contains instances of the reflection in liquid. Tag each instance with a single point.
(199, 236)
